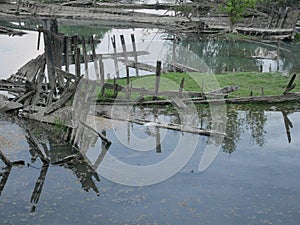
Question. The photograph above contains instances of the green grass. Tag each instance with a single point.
(272, 83)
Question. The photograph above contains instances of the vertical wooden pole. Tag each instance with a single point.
(75, 46)
(92, 43)
(278, 54)
(113, 41)
(127, 82)
(115, 88)
(77, 62)
(135, 55)
(181, 88)
(101, 66)
(124, 49)
(85, 59)
(66, 52)
(174, 58)
(157, 80)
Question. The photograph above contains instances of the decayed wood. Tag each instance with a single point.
(289, 97)
(92, 43)
(113, 41)
(6, 105)
(64, 98)
(134, 53)
(10, 32)
(157, 79)
(177, 127)
(291, 84)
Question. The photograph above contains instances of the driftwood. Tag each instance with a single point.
(289, 97)
(291, 84)
(177, 127)
(10, 32)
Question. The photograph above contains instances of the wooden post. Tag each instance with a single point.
(92, 43)
(127, 82)
(135, 55)
(39, 37)
(75, 46)
(77, 62)
(115, 88)
(124, 49)
(261, 68)
(174, 58)
(101, 66)
(181, 88)
(113, 41)
(157, 80)
(85, 59)
(278, 54)
(262, 91)
(66, 52)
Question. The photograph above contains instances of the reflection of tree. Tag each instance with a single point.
(256, 120)
(234, 129)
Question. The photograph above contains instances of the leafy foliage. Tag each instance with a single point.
(237, 8)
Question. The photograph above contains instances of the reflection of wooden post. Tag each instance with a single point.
(157, 80)
(39, 187)
(113, 41)
(92, 43)
(6, 161)
(157, 133)
(4, 179)
(135, 55)
(85, 59)
(158, 145)
(288, 124)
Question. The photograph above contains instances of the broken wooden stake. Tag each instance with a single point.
(134, 54)
(113, 41)
(291, 84)
(157, 80)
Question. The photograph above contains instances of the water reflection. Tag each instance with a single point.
(261, 124)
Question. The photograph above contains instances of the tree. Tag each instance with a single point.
(236, 9)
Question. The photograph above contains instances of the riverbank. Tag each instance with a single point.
(249, 83)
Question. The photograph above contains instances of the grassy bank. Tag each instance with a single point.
(268, 83)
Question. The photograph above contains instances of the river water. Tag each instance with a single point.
(249, 176)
